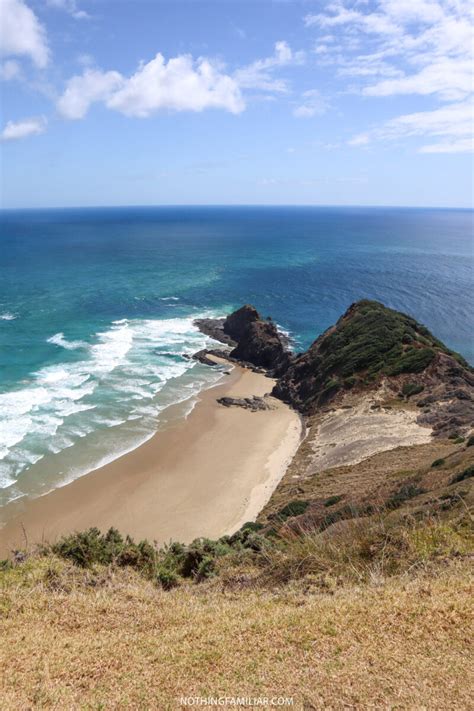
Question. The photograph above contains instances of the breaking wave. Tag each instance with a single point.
(126, 376)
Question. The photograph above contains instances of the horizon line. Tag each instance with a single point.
(230, 205)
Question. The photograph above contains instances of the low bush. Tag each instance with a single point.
(405, 492)
(168, 579)
(360, 549)
(350, 382)
(409, 389)
(333, 500)
(470, 441)
(294, 508)
(438, 463)
(462, 476)
(413, 360)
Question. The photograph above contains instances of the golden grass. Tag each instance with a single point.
(74, 639)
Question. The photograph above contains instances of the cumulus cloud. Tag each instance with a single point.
(178, 85)
(85, 89)
(181, 84)
(21, 33)
(15, 130)
(402, 47)
(259, 74)
(313, 105)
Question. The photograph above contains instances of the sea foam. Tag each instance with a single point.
(59, 340)
(127, 374)
(7, 316)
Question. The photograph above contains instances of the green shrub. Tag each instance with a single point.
(462, 476)
(333, 500)
(470, 441)
(404, 493)
(413, 360)
(409, 389)
(88, 547)
(168, 579)
(349, 511)
(205, 569)
(294, 508)
(438, 463)
(91, 547)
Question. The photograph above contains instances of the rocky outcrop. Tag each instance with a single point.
(262, 345)
(237, 323)
(256, 341)
(203, 357)
(254, 404)
(214, 327)
(447, 399)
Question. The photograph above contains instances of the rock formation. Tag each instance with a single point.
(255, 340)
(370, 346)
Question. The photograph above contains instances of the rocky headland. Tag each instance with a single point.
(370, 348)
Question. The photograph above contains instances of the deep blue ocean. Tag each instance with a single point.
(97, 309)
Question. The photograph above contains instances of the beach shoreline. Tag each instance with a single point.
(204, 475)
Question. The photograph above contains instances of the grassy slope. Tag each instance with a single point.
(377, 478)
(123, 643)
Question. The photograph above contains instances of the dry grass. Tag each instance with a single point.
(75, 639)
(373, 479)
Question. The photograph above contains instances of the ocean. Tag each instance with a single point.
(97, 309)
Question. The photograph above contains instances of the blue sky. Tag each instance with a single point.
(129, 102)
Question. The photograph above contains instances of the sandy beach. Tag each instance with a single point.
(202, 476)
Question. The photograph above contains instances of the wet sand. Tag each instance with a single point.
(202, 476)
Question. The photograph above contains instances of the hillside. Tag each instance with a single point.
(357, 573)
(371, 344)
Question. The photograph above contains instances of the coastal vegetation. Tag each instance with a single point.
(415, 520)
(356, 572)
(368, 342)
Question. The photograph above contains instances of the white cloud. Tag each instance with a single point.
(259, 74)
(22, 129)
(177, 85)
(313, 105)
(85, 89)
(10, 70)
(410, 47)
(181, 84)
(449, 78)
(426, 44)
(462, 145)
(451, 124)
(362, 139)
(69, 6)
(21, 33)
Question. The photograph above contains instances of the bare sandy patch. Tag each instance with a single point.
(350, 435)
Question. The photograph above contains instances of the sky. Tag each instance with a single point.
(148, 102)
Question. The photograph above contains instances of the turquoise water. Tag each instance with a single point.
(96, 309)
